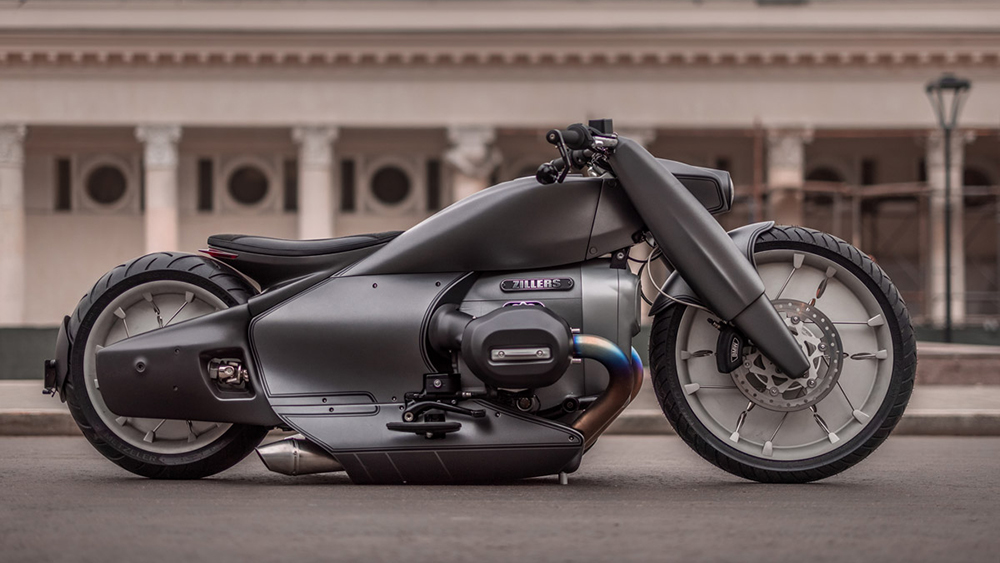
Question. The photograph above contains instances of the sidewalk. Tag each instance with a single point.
(948, 410)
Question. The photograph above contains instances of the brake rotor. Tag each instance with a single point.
(763, 383)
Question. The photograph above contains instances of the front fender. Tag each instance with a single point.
(744, 238)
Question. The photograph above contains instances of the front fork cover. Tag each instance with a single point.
(693, 241)
(744, 238)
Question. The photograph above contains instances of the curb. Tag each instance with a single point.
(649, 422)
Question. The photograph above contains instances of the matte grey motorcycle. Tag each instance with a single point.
(493, 341)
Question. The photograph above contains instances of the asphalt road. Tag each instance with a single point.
(634, 499)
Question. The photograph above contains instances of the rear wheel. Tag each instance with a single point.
(757, 423)
(146, 294)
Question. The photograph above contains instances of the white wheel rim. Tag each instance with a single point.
(719, 404)
(176, 301)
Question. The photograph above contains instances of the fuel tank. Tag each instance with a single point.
(516, 225)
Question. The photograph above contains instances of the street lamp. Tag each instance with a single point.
(947, 94)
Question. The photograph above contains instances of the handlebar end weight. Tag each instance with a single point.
(547, 174)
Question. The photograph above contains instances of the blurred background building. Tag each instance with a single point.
(133, 126)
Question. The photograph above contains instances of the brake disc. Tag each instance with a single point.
(763, 383)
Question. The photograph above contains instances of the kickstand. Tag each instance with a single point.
(563, 478)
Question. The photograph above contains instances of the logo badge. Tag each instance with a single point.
(537, 284)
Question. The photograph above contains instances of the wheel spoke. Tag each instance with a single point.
(697, 354)
(735, 436)
(149, 298)
(121, 315)
(877, 320)
(797, 260)
(822, 424)
(692, 388)
(880, 355)
(830, 272)
(856, 413)
(768, 449)
(188, 297)
(151, 435)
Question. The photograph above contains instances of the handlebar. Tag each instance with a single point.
(580, 147)
(576, 136)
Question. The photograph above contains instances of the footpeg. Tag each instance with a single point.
(425, 428)
(416, 409)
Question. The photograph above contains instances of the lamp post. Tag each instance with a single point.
(947, 94)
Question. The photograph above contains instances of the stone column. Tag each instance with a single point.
(935, 299)
(473, 157)
(316, 191)
(786, 174)
(160, 163)
(12, 225)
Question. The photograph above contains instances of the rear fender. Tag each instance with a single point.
(56, 370)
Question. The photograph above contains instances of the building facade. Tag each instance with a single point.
(136, 126)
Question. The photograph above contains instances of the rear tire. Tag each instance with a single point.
(699, 402)
(170, 278)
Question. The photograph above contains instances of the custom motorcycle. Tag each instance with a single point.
(493, 341)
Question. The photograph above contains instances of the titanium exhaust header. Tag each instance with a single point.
(626, 378)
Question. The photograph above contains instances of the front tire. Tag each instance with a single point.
(144, 294)
(756, 424)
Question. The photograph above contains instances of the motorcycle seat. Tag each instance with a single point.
(286, 247)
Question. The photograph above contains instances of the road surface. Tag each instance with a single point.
(636, 498)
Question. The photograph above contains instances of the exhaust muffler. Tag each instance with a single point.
(297, 456)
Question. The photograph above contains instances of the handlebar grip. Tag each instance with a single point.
(576, 136)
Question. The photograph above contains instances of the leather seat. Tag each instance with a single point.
(285, 247)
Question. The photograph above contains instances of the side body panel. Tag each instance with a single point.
(353, 335)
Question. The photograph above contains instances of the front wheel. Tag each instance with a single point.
(756, 422)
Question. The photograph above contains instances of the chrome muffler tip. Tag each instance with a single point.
(297, 456)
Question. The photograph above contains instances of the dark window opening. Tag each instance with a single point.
(64, 186)
(391, 185)
(248, 185)
(205, 184)
(975, 177)
(347, 187)
(869, 171)
(922, 170)
(106, 185)
(824, 174)
(433, 185)
(291, 185)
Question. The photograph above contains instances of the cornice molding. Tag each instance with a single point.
(180, 58)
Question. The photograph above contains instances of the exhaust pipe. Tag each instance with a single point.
(626, 378)
(297, 456)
